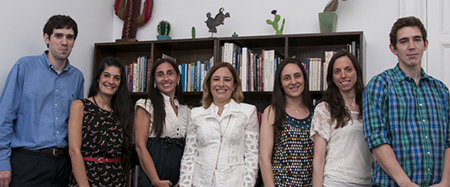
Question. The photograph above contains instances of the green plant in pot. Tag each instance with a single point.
(163, 30)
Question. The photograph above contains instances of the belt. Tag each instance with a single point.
(54, 152)
(101, 159)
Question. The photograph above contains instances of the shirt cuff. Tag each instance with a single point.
(5, 164)
(376, 139)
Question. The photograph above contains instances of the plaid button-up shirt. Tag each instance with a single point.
(413, 119)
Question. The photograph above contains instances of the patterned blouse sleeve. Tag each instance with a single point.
(321, 122)
(251, 153)
(187, 161)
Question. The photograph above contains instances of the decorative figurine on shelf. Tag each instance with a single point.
(234, 34)
(212, 23)
(163, 30)
(275, 21)
(129, 12)
(328, 18)
(193, 32)
(331, 6)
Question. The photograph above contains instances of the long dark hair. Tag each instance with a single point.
(333, 97)
(279, 96)
(120, 103)
(207, 98)
(155, 95)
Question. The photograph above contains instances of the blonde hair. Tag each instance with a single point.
(237, 96)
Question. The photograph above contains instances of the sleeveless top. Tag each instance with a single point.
(292, 155)
(101, 137)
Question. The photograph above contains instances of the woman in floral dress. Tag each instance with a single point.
(99, 134)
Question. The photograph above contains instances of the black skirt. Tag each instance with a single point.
(166, 155)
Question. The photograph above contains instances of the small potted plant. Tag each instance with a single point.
(163, 30)
(274, 23)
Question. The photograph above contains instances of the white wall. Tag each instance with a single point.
(248, 18)
(22, 23)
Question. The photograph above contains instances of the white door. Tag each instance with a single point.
(438, 19)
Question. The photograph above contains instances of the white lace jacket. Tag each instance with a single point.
(233, 157)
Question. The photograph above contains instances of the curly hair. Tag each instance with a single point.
(333, 97)
(59, 22)
(406, 22)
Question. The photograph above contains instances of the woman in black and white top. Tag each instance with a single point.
(161, 127)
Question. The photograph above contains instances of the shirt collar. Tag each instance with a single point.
(49, 65)
(167, 100)
(401, 75)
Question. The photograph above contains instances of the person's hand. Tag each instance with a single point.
(178, 184)
(5, 178)
(409, 184)
(162, 183)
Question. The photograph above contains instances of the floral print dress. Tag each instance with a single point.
(101, 138)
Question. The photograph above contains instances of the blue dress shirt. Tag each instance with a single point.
(35, 105)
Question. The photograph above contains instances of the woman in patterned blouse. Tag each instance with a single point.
(99, 129)
(286, 149)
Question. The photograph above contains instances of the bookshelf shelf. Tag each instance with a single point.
(302, 46)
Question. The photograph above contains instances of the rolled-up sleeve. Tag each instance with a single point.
(375, 103)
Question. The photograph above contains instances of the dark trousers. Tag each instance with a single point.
(36, 169)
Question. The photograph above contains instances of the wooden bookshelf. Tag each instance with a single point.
(302, 46)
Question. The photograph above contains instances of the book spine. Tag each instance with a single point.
(183, 77)
(199, 75)
(192, 86)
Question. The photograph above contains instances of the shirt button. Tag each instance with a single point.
(423, 120)
(420, 104)
(178, 129)
(57, 90)
(429, 153)
(56, 104)
(426, 137)
(56, 118)
(57, 132)
(177, 134)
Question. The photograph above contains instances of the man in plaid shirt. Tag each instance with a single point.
(406, 116)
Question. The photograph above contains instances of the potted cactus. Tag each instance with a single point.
(163, 30)
(274, 23)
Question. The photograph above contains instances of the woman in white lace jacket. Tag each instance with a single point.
(341, 155)
(222, 141)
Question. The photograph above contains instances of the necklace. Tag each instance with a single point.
(296, 110)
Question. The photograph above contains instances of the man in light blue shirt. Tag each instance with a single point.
(34, 111)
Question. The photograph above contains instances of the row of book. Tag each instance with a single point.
(317, 71)
(193, 75)
(138, 74)
(256, 69)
